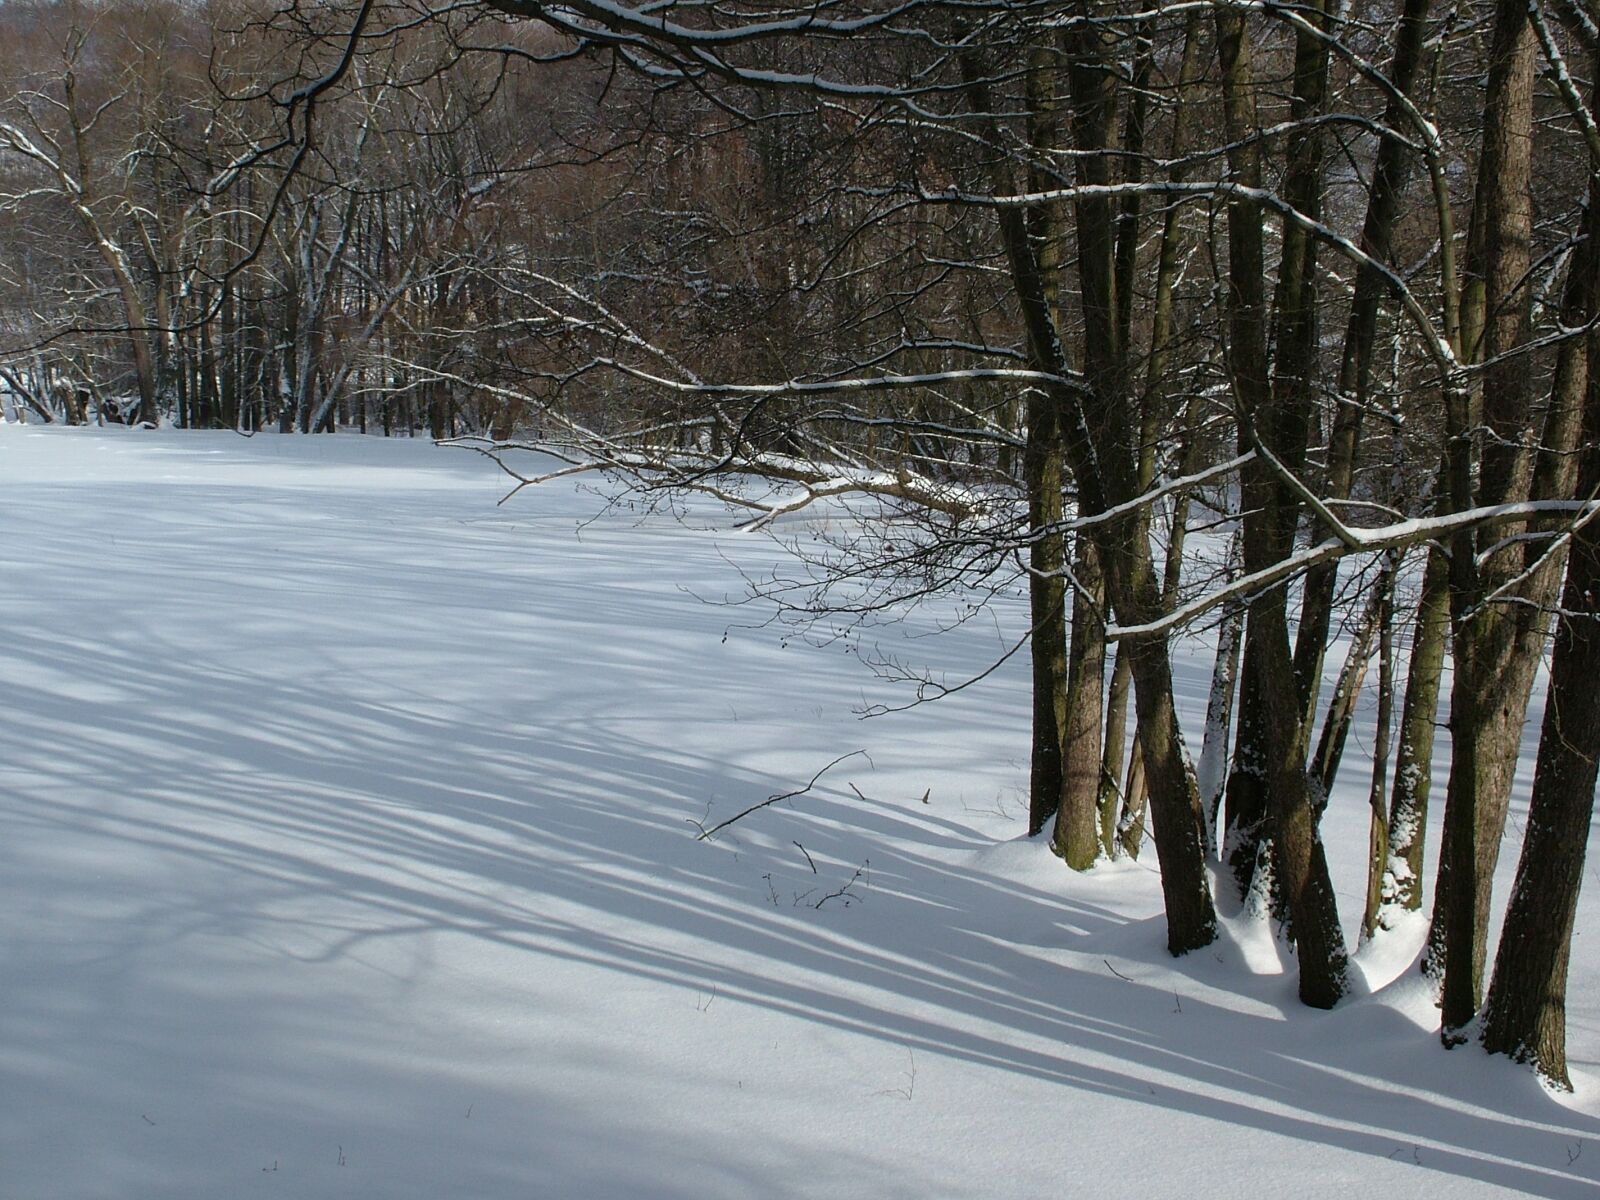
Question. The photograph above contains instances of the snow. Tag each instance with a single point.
(347, 849)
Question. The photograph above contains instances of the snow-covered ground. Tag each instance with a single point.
(347, 849)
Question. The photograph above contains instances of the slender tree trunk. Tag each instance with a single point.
(1076, 837)
(1114, 751)
(1413, 771)
(1042, 477)
(1047, 597)
(1378, 837)
(1135, 804)
(1525, 1015)
(1279, 419)
(1247, 841)
(1347, 692)
(1210, 774)
(1246, 361)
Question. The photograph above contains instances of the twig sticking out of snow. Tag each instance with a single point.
(706, 834)
(910, 1076)
(845, 890)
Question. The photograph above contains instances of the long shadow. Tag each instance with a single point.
(546, 810)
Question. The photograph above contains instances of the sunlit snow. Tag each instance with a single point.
(347, 849)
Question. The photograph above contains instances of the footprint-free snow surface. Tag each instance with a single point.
(347, 849)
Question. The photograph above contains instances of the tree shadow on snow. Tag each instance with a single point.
(354, 762)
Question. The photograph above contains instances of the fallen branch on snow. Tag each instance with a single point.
(706, 834)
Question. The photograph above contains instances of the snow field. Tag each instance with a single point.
(347, 849)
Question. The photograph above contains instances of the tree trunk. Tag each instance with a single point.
(1300, 869)
(1280, 421)
(1378, 838)
(1526, 1012)
(1219, 717)
(1360, 340)
(1114, 751)
(1347, 692)
(1246, 361)
(1042, 476)
(1076, 837)
(1046, 608)
(1413, 769)
(1135, 803)
(1497, 647)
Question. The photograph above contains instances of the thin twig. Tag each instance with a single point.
(845, 890)
(706, 835)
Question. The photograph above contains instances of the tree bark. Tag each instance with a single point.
(1219, 718)
(1347, 691)
(1076, 837)
(1114, 751)
(1378, 825)
(1526, 1012)
(1042, 477)
(1279, 420)
(1497, 646)
(1246, 360)
(1413, 771)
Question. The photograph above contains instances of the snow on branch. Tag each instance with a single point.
(1398, 536)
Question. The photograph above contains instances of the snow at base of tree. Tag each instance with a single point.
(347, 848)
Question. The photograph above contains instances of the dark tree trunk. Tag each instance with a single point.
(1279, 419)
(1042, 476)
(1046, 603)
(1246, 838)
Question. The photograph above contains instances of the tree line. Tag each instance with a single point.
(1043, 288)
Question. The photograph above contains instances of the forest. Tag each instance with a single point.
(1278, 320)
